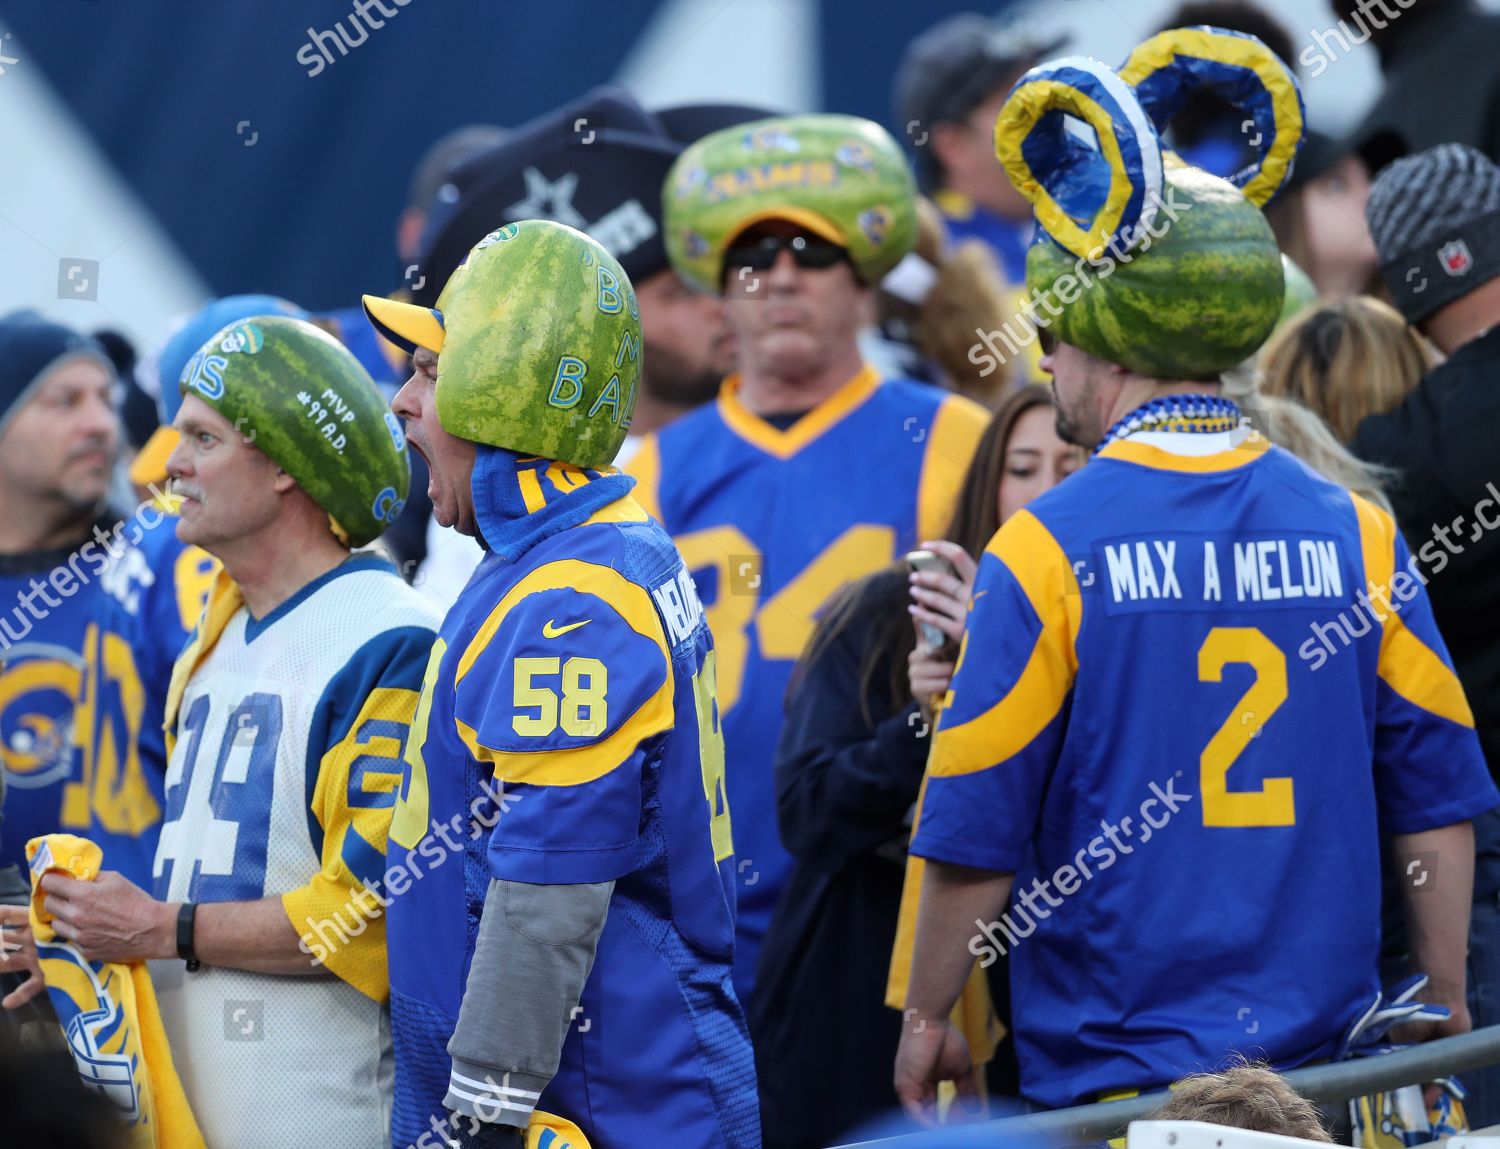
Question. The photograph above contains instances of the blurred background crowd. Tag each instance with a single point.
(169, 174)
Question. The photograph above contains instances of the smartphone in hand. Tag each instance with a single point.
(933, 638)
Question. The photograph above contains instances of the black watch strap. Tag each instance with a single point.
(185, 919)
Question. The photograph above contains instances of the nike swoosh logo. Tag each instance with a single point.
(550, 629)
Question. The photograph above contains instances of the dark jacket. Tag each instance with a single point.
(1441, 85)
(1445, 442)
(825, 1042)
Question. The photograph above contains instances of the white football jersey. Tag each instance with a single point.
(324, 684)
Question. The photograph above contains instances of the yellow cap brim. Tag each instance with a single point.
(819, 225)
(405, 324)
(150, 464)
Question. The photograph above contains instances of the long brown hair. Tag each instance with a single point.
(1344, 360)
(976, 518)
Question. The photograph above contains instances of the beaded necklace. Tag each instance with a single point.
(1194, 414)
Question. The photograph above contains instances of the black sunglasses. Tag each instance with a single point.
(810, 253)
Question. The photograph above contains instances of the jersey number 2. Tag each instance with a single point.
(1272, 804)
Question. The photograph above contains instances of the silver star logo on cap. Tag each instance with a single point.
(548, 200)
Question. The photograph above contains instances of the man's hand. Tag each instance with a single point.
(111, 918)
(1417, 1031)
(931, 1052)
(18, 955)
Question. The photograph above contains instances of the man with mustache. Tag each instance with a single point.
(291, 708)
(810, 470)
(156, 595)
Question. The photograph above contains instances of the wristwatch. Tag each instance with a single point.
(185, 918)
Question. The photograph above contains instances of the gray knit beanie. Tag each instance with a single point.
(1435, 219)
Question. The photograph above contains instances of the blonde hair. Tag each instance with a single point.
(969, 294)
(1345, 360)
(1294, 428)
(1247, 1096)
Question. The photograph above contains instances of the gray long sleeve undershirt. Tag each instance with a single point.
(535, 949)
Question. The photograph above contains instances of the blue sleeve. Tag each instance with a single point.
(355, 750)
(1001, 730)
(562, 691)
(1429, 768)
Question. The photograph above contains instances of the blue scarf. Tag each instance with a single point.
(519, 500)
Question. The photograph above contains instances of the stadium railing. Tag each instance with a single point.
(1324, 1084)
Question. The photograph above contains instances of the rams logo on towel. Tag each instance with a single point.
(88, 1007)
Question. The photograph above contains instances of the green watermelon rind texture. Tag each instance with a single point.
(847, 170)
(1194, 300)
(542, 353)
(301, 398)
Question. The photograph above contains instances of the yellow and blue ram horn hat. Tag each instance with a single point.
(1196, 279)
(1060, 172)
(1241, 71)
(1128, 110)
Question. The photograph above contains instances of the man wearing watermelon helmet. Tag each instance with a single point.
(578, 957)
(291, 707)
(154, 596)
(810, 470)
(1141, 705)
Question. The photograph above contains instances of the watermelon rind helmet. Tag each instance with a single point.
(841, 177)
(538, 337)
(299, 396)
(1141, 259)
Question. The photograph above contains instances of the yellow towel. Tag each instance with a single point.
(549, 1131)
(224, 598)
(974, 1013)
(109, 1013)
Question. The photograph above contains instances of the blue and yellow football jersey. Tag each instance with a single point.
(154, 591)
(1177, 722)
(772, 523)
(568, 733)
(47, 602)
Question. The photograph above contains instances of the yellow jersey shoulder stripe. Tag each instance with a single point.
(645, 465)
(954, 438)
(1407, 664)
(575, 766)
(1039, 565)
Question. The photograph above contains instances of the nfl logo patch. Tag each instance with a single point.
(1456, 258)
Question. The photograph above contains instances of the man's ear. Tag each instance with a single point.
(283, 482)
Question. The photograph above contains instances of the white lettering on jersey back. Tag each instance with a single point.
(677, 599)
(1138, 572)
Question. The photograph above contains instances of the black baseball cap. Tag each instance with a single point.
(597, 164)
(949, 69)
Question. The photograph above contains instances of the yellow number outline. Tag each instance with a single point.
(785, 621)
(112, 790)
(1273, 804)
(711, 758)
(409, 820)
(564, 709)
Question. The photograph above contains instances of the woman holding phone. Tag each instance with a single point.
(848, 768)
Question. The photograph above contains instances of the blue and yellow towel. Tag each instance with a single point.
(108, 1012)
